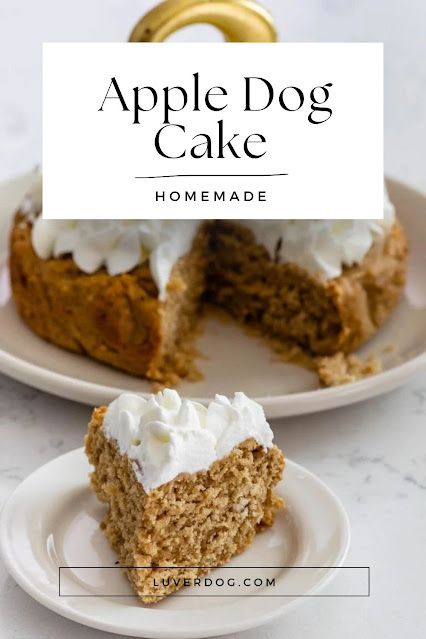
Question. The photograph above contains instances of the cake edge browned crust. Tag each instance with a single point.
(367, 293)
(117, 320)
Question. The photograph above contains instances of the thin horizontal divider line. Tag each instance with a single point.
(119, 566)
(177, 175)
(179, 594)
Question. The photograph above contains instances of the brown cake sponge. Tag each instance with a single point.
(194, 522)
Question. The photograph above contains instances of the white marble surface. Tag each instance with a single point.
(372, 455)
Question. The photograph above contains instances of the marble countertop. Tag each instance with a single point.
(371, 454)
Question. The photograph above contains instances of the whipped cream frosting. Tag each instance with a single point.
(31, 205)
(119, 245)
(166, 435)
(322, 247)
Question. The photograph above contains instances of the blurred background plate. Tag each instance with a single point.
(232, 360)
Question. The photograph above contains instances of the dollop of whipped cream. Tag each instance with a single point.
(118, 245)
(166, 435)
(31, 205)
(322, 247)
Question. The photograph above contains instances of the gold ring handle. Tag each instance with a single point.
(239, 20)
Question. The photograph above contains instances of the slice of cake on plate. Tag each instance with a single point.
(186, 487)
(128, 292)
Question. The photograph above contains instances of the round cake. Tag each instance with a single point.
(128, 292)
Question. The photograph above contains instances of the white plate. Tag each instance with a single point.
(234, 361)
(52, 520)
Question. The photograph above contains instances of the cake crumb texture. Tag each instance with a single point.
(200, 519)
(343, 369)
(323, 317)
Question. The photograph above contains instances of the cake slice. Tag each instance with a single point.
(185, 486)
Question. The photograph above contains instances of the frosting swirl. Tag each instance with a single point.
(322, 247)
(118, 245)
(166, 435)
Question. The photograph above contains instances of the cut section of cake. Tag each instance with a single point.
(187, 487)
(325, 286)
(128, 293)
